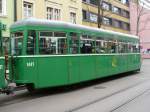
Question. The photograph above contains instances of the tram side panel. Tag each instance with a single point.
(114, 67)
(137, 62)
(108, 65)
(25, 70)
(101, 66)
(134, 62)
(74, 68)
(2, 76)
(53, 71)
(87, 68)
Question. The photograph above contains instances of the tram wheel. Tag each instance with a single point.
(30, 88)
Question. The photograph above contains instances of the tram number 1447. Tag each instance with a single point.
(30, 64)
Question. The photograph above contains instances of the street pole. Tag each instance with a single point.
(99, 16)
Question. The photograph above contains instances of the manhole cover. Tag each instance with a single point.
(99, 87)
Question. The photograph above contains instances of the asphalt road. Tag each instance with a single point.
(130, 93)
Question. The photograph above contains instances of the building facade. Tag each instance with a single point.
(114, 14)
(6, 14)
(63, 10)
(144, 27)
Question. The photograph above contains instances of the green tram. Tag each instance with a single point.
(3, 82)
(52, 53)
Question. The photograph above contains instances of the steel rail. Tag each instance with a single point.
(102, 98)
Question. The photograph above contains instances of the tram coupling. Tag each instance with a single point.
(8, 90)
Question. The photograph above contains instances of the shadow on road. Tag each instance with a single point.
(24, 95)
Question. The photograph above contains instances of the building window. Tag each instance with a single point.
(125, 1)
(117, 23)
(83, 0)
(2, 7)
(107, 21)
(94, 2)
(84, 15)
(28, 9)
(106, 6)
(49, 13)
(125, 26)
(116, 10)
(53, 13)
(125, 13)
(93, 17)
(73, 17)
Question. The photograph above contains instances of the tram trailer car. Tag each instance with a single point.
(3, 83)
(52, 53)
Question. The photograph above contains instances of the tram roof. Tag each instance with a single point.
(66, 25)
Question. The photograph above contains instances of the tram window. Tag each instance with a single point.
(4, 45)
(59, 34)
(74, 43)
(111, 47)
(99, 48)
(47, 43)
(52, 43)
(16, 43)
(109, 44)
(62, 46)
(106, 44)
(86, 37)
(31, 42)
(87, 44)
(135, 48)
(48, 34)
(132, 48)
(114, 47)
(123, 47)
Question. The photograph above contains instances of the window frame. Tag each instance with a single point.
(93, 15)
(106, 6)
(4, 7)
(52, 36)
(32, 9)
(33, 4)
(73, 17)
(35, 42)
(55, 14)
(107, 21)
(23, 41)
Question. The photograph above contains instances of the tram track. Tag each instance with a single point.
(110, 95)
(129, 101)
